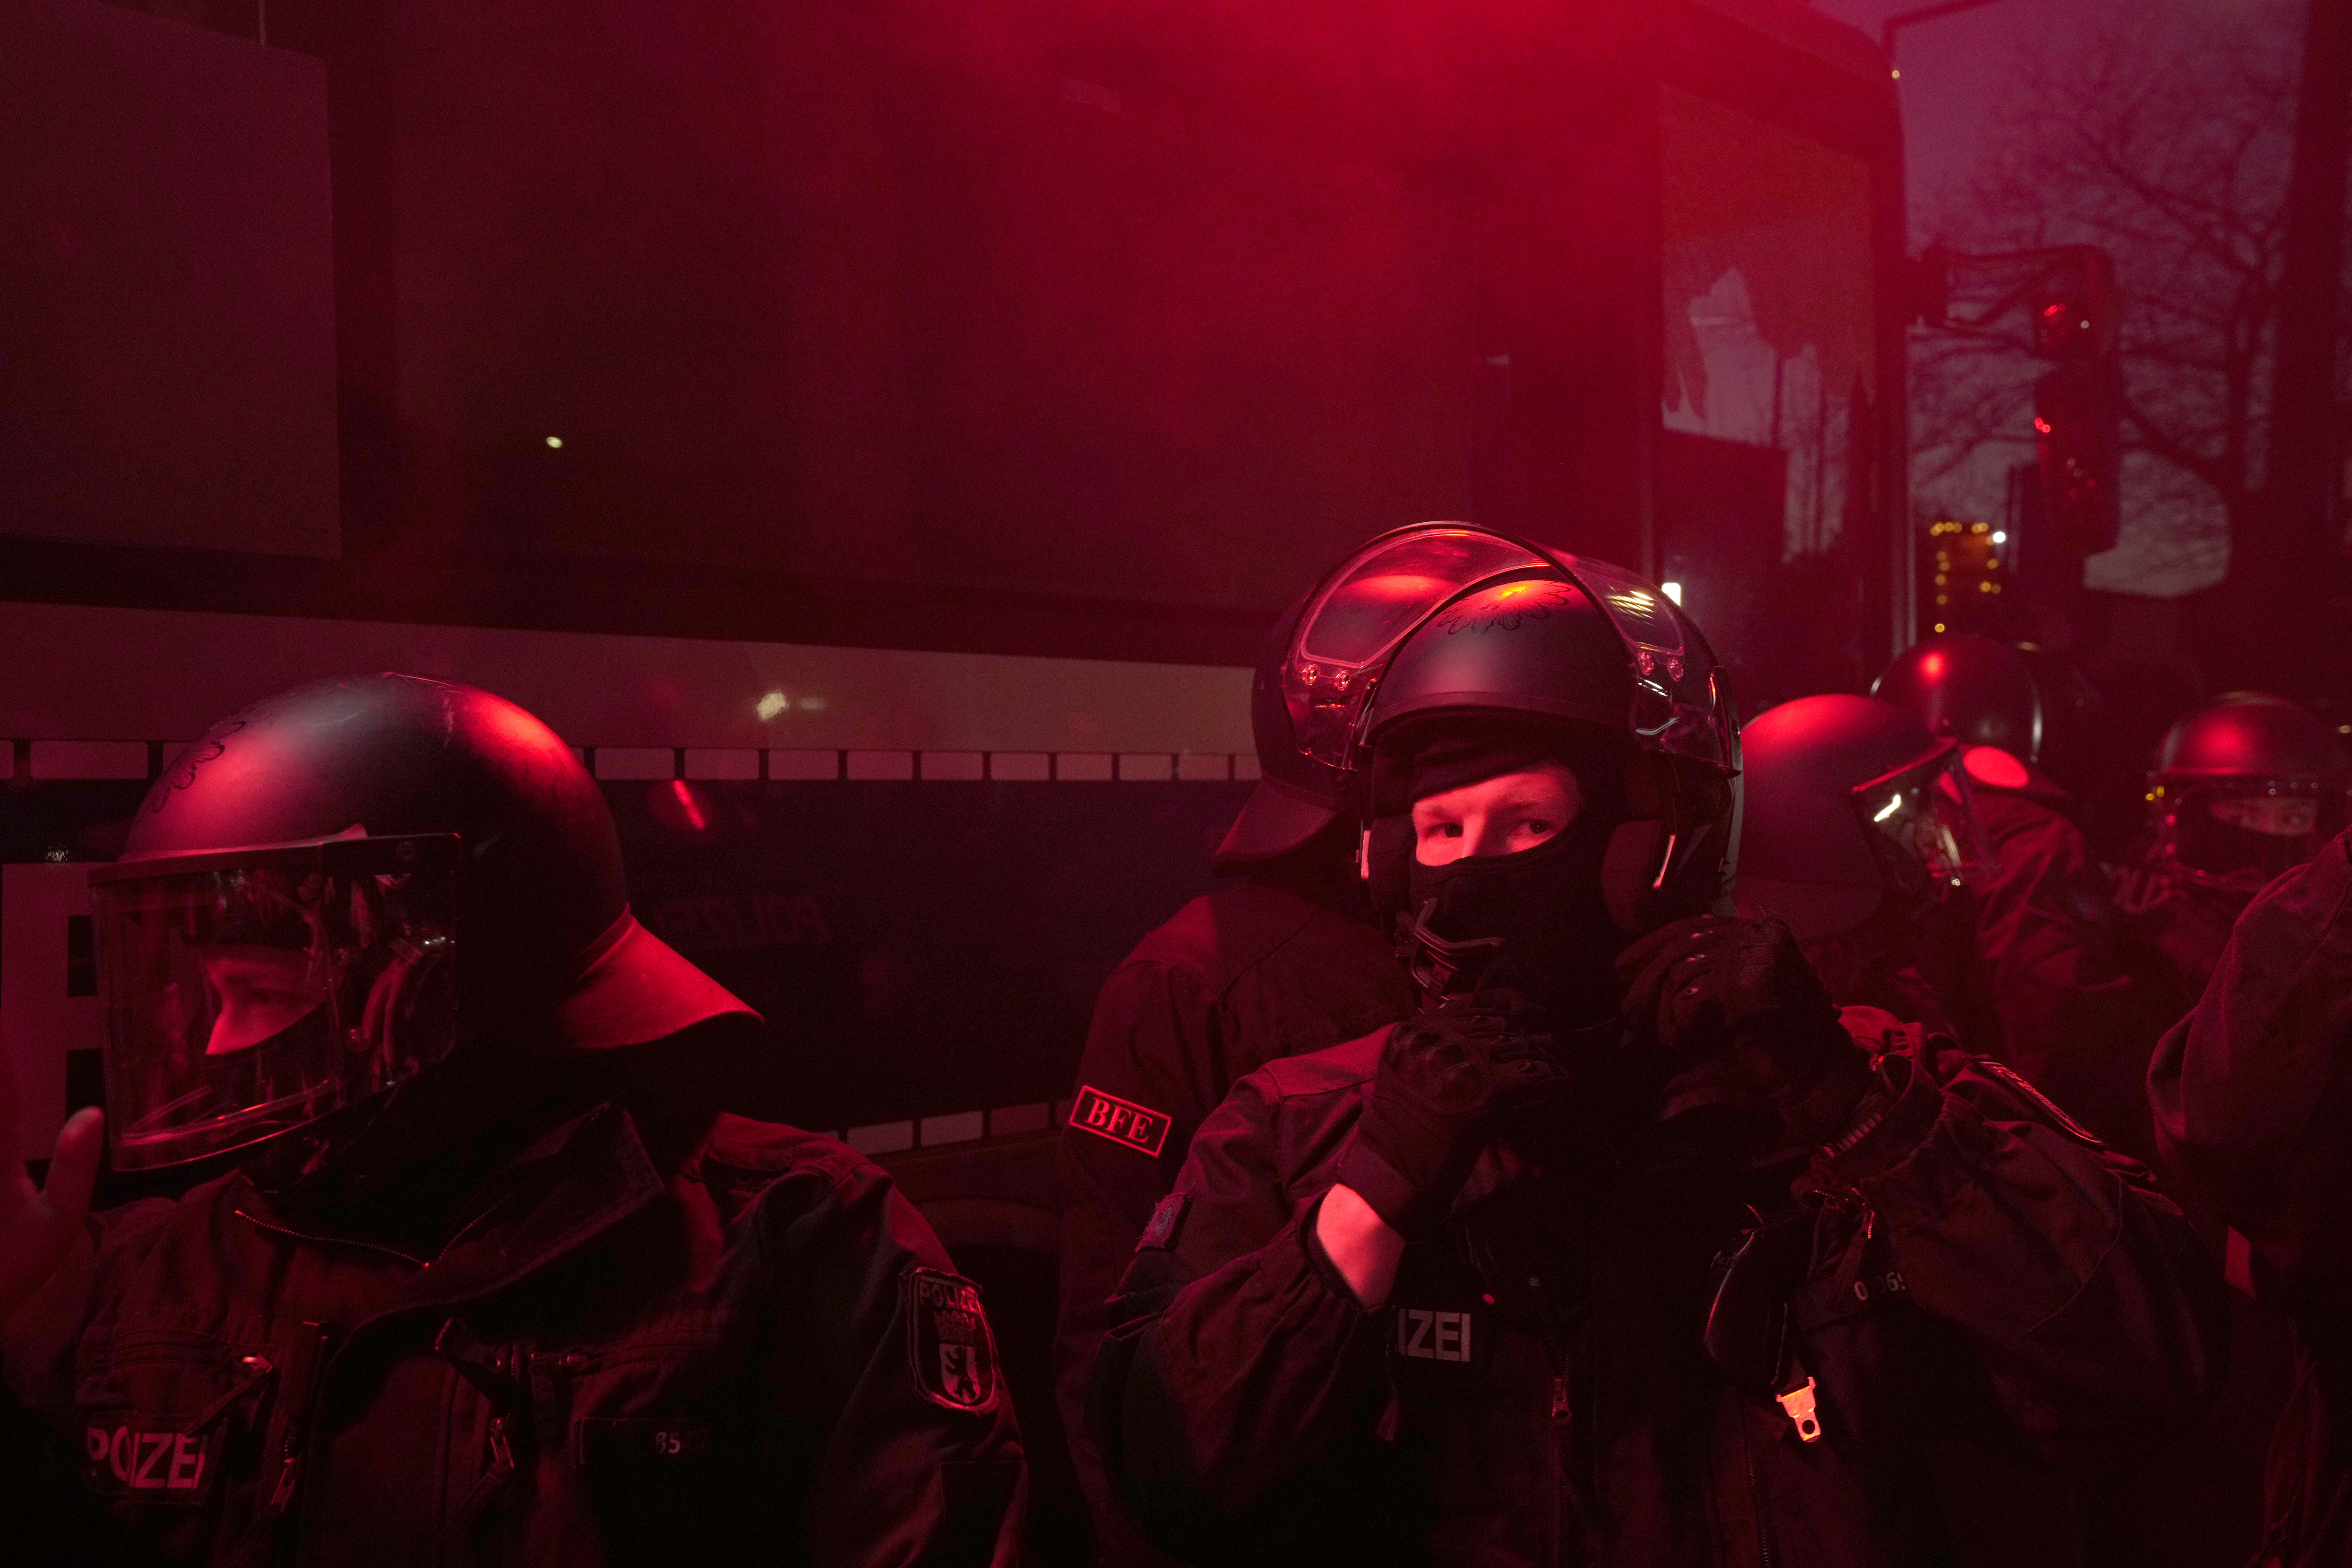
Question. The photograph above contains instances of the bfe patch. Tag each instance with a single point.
(1139, 1127)
(951, 1346)
(125, 1460)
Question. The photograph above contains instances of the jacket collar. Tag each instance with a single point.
(576, 1183)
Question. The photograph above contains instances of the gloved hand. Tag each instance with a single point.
(1445, 1076)
(1737, 995)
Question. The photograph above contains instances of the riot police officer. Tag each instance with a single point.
(1628, 1247)
(2244, 789)
(487, 1275)
(2043, 929)
(1283, 957)
(2249, 1092)
(1859, 830)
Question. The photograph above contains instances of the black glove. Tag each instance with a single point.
(1737, 999)
(1445, 1076)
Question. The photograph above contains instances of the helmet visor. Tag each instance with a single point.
(2243, 832)
(1922, 821)
(1681, 706)
(250, 991)
(1365, 609)
(1378, 598)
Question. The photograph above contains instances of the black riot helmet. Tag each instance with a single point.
(1297, 795)
(334, 889)
(1848, 801)
(1429, 638)
(2246, 787)
(1979, 691)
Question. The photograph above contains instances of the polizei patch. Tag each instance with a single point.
(1121, 1121)
(953, 1352)
(126, 1460)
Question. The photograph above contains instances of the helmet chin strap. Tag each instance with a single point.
(1635, 871)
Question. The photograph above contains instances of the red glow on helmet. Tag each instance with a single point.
(1992, 766)
(510, 722)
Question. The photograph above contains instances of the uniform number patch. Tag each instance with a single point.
(151, 1467)
(597, 1444)
(950, 1344)
(1121, 1120)
(1425, 1334)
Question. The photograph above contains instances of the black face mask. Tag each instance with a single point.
(1536, 921)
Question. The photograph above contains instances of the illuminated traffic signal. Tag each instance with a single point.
(2064, 505)
(2078, 447)
(2075, 315)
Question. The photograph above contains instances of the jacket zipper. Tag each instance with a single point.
(1764, 1552)
(302, 1389)
(1560, 1418)
(301, 1378)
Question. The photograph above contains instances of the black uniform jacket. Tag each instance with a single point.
(1975, 1280)
(2252, 1096)
(756, 1354)
(2174, 930)
(1249, 973)
(2069, 1016)
(2042, 924)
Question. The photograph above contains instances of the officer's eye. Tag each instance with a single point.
(1447, 830)
(1536, 826)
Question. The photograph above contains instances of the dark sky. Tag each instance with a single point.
(1957, 73)
(1956, 69)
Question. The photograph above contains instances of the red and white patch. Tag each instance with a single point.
(128, 1461)
(1138, 1126)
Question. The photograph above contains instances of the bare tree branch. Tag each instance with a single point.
(2165, 142)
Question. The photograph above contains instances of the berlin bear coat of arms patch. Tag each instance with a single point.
(950, 1342)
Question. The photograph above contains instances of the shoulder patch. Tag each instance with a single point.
(1167, 1220)
(949, 1346)
(1139, 1127)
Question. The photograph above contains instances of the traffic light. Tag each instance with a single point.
(2075, 318)
(2078, 447)
(2068, 295)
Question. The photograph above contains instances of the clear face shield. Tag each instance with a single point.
(1922, 824)
(252, 991)
(1365, 609)
(2239, 834)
